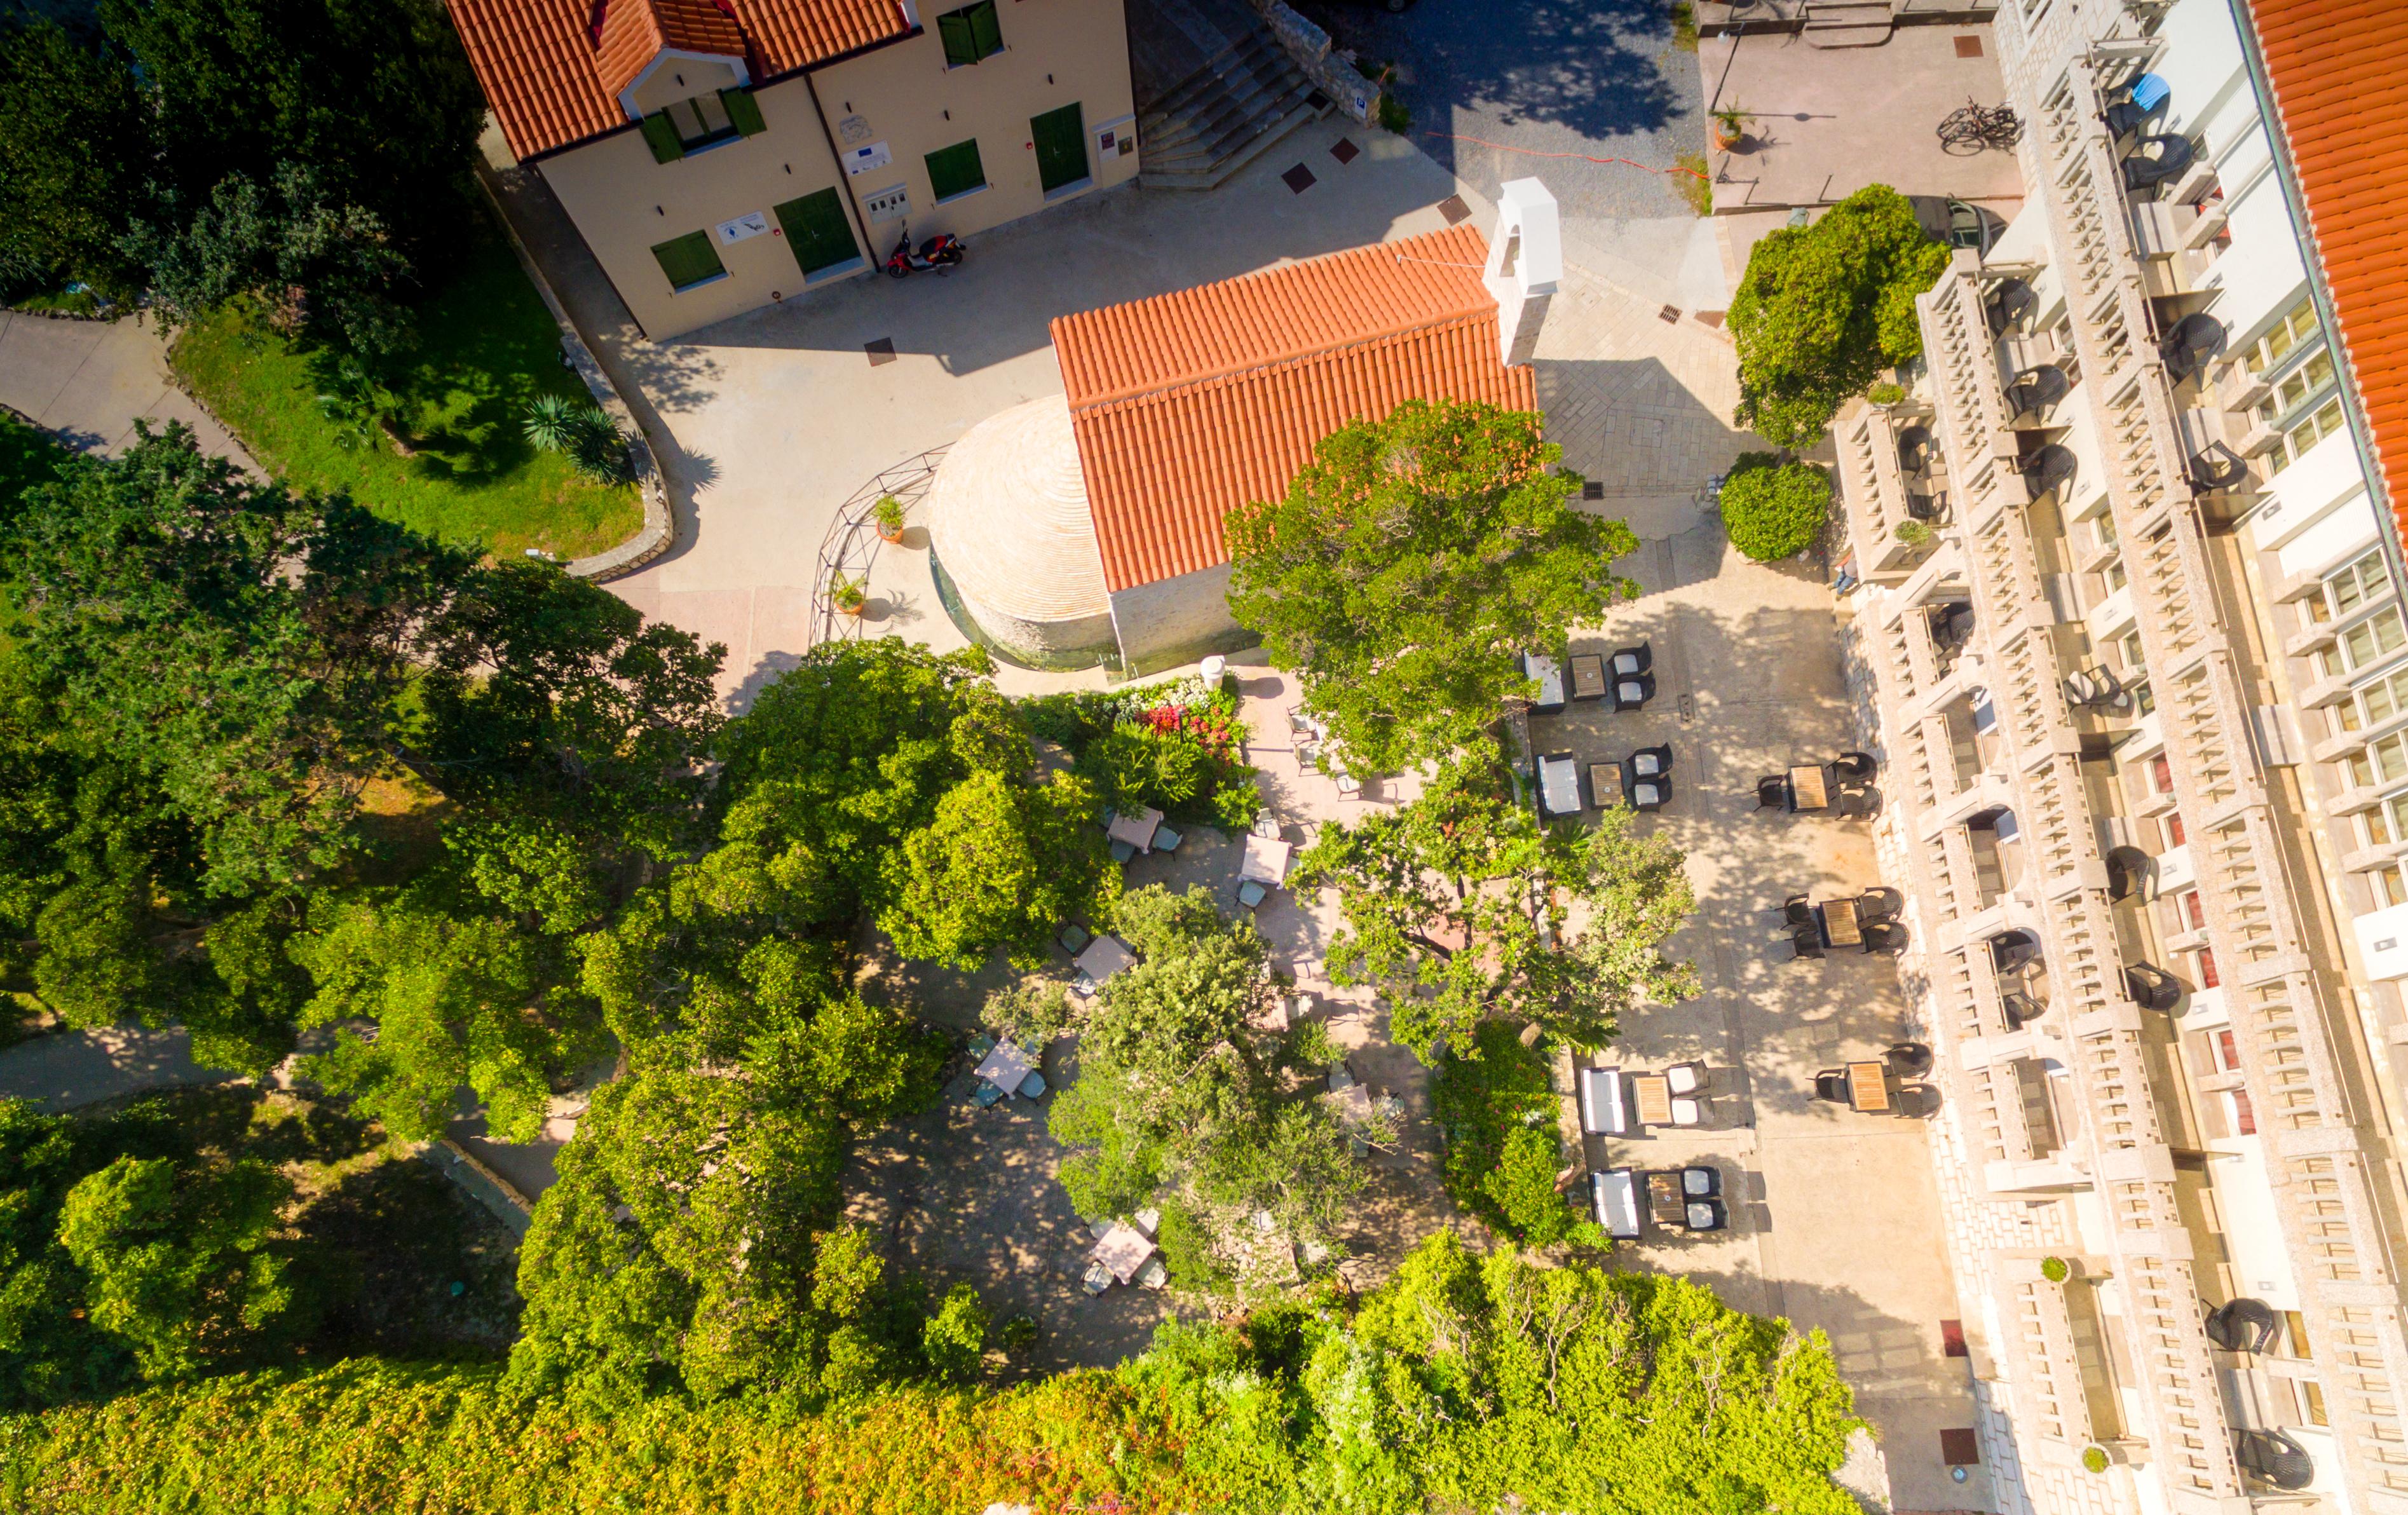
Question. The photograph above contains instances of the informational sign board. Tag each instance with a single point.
(869, 156)
(749, 224)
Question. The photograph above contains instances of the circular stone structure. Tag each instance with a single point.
(1008, 527)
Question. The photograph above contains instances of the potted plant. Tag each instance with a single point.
(848, 594)
(1915, 533)
(2096, 1458)
(2054, 1269)
(1730, 128)
(1886, 394)
(888, 514)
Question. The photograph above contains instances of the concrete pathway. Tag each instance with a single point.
(89, 381)
(65, 1070)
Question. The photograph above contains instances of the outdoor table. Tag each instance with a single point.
(1868, 1087)
(1123, 1250)
(1605, 784)
(1806, 791)
(1651, 1095)
(1588, 676)
(1265, 860)
(1665, 1204)
(1006, 1068)
(1104, 957)
(1137, 830)
(1839, 922)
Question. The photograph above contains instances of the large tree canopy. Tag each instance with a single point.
(1462, 905)
(1182, 1099)
(1409, 565)
(1823, 309)
(74, 155)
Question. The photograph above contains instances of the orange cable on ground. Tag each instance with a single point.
(1534, 152)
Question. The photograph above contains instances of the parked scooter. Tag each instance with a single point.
(940, 252)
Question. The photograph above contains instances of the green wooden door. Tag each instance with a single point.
(817, 232)
(1061, 147)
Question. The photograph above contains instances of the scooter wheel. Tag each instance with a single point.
(895, 270)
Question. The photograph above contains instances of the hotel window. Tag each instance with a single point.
(2162, 775)
(2384, 760)
(2376, 703)
(2388, 822)
(2368, 641)
(2145, 699)
(2347, 589)
(2207, 975)
(2194, 912)
(2175, 835)
(2294, 328)
(2387, 885)
(2244, 1117)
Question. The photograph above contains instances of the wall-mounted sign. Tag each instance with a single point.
(861, 160)
(1116, 139)
(853, 129)
(753, 224)
(888, 204)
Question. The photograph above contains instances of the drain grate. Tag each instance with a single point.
(881, 350)
(1298, 179)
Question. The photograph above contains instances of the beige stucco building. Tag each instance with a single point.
(721, 157)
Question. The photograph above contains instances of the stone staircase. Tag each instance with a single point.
(1246, 94)
(1847, 23)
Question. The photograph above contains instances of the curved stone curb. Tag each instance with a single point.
(481, 1183)
(659, 530)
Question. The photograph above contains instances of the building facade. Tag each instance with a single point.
(2130, 620)
(721, 157)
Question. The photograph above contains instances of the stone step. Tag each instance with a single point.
(1847, 23)
(1210, 125)
(1872, 35)
(1181, 177)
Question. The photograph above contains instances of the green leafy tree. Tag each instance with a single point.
(1001, 863)
(244, 644)
(74, 150)
(1180, 1092)
(852, 749)
(1409, 565)
(1461, 906)
(1824, 309)
(179, 1262)
(1775, 510)
(954, 1341)
(50, 1350)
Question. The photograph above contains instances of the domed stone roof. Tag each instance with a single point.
(1008, 521)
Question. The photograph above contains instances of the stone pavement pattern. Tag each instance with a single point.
(89, 381)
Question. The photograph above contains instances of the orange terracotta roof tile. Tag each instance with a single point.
(2339, 91)
(1191, 404)
(551, 69)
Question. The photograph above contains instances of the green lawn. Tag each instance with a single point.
(486, 347)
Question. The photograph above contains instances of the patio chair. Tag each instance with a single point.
(2243, 1325)
(1347, 782)
(2092, 686)
(1879, 903)
(1916, 1101)
(2272, 1457)
(1032, 1087)
(1773, 792)
(1796, 910)
(2158, 160)
(2214, 469)
(1909, 1059)
(1857, 804)
(1074, 938)
(1856, 768)
(2021, 1009)
(1652, 761)
(2195, 341)
(1166, 840)
(1122, 851)
(1633, 660)
(1701, 1182)
(1267, 827)
(1831, 1085)
(1807, 943)
(1251, 894)
(1884, 936)
(1704, 1215)
(1632, 690)
(1649, 793)
(1298, 723)
(2151, 986)
(1688, 1113)
(1096, 1278)
(1685, 1078)
(986, 1096)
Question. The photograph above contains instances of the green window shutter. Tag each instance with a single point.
(743, 111)
(689, 260)
(954, 27)
(818, 233)
(986, 31)
(1061, 137)
(955, 170)
(661, 135)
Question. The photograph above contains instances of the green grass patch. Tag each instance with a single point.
(1685, 26)
(486, 347)
(1692, 183)
(72, 303)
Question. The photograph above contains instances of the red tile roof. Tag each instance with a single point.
(1189, 405)
(552, 69)
(2340, 91)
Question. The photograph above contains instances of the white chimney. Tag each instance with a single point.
(1526, 262)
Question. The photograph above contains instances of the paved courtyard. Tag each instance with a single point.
(89, 381)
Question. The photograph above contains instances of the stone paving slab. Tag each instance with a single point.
(89, 381)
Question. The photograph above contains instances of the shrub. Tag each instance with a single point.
(1311, 1047)
(1394, 117)
(954, 1341)
(1521, 1186)
(1824, 309)
(1038, 1007)
(1775, 510)
(1187, 1252)
(1481, 1104)
(1886, 393)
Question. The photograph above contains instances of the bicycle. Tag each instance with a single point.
(1974, 127)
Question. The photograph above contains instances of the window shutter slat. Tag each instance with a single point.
(743, 111)
(986, 31)
(661, 136)
(960, 47)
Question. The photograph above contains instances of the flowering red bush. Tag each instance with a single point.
(1207, 726)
